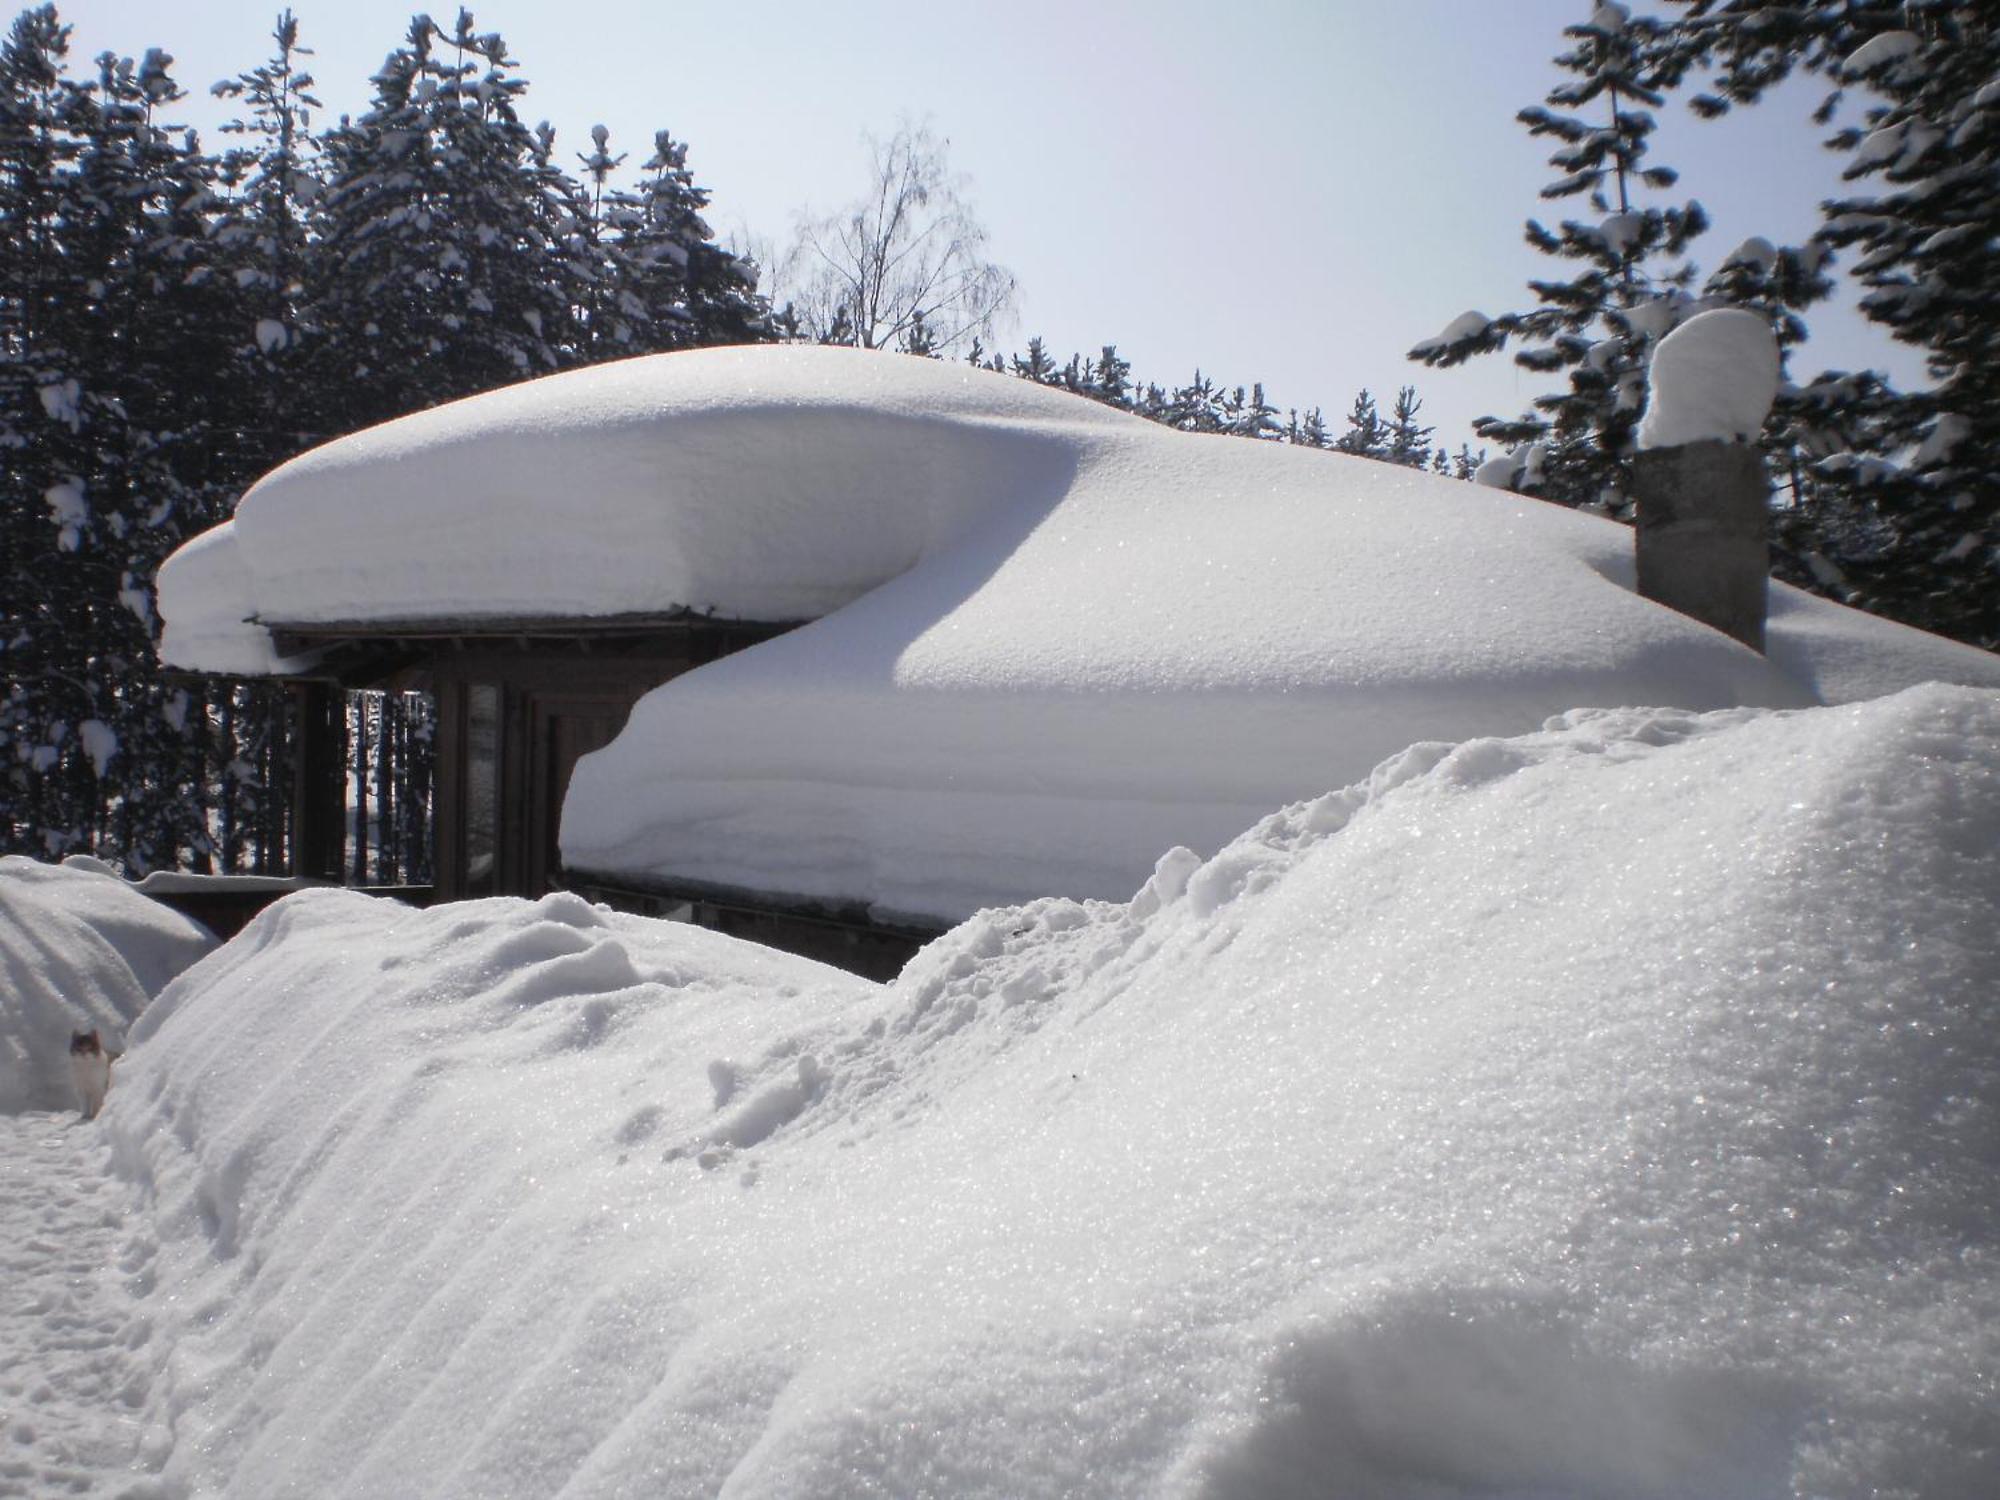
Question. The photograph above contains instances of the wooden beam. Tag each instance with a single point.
(319, 801)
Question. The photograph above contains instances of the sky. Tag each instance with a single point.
(1292, 192)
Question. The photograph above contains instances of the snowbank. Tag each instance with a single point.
(79, 948)
(1607, 1111)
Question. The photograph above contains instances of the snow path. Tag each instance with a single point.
(75, 1370)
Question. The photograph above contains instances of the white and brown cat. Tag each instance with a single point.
(90, 1068)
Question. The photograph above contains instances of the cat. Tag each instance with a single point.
(90, 1068)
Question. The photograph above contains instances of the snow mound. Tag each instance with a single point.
(79, 948)
(1712, 380)
(1606, 1111)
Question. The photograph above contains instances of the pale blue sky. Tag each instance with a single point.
(1288, 191)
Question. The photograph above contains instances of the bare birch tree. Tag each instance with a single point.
(903, 267)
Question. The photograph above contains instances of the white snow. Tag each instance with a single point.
(1654, 317)
(68, 509)
(766, 483)
(1192, 630)
(1620, 232)
(79, 948)
(1947, 432)
(207, 611)
(1055, 639)
(1466, 325)
(1886, 48)
(99, 741)
(1712, 379)
(1756, 252)
(1610, 18)
(1603, 1112)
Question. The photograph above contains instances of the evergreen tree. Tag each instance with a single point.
(1255, 417)
(1408, 441)
(110, 327)
(441, 270)
(269, 183)
(1196, 406)
(1111, 377)
(1598, 326)
(670, 285)
(1036, 365)
(1924, 157)
(1367, 435)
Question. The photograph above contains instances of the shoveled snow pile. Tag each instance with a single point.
(1607, 1111)
(79, 948)
(1711, 380)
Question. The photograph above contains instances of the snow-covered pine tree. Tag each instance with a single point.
(269, 183)
(1111, 377)
(1254, 416)
(1598, 325)
(441, 268)
(1036, 365)
(1409, 441)
(670, 286)
(118, 329)
(42, 400)
(1367, 435)
(1924, 156)
(1196, 406)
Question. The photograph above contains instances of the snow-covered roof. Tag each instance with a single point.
(1049, 639)
(761, 484)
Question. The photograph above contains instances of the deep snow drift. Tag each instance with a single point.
(79, 948)
(1607, 1112)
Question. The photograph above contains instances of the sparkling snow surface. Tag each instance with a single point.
(1711, 379)
(79, 948)
(1604, 1112)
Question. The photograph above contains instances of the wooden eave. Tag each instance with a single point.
(396, 653)
(578, 633)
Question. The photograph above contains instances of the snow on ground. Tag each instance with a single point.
(79, 948)
(1711, 380)
(77, 1354)
(1606, 1111)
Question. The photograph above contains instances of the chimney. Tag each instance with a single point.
(1698, 477)
(1702, 515)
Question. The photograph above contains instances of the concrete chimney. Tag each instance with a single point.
(1702, 545)
(1698, 478)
